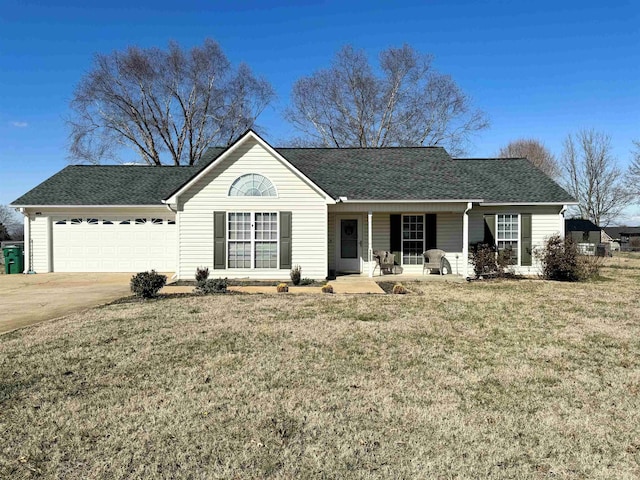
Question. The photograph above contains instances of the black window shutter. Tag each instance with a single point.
(285, 240)
(525, 248)
(219, 240)
(395, 233)
(430, 225)
(489, 230)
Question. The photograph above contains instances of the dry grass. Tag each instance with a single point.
(505, 379)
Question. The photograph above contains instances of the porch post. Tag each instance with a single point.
(465, 241)
(370, 242)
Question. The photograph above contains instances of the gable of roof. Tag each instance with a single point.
(215, 160)
(580, 225)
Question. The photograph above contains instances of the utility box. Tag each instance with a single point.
(13, 259)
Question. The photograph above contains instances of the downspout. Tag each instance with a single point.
(176, 274)
(465, 240)
(561, 214)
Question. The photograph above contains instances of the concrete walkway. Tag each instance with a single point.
(29, 299)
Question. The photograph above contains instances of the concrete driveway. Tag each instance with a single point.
(29, 299)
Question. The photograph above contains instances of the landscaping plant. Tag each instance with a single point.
(296, 274)
(147, 284)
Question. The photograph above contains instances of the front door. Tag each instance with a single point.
(348, 245)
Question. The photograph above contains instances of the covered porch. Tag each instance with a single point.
(358, 229)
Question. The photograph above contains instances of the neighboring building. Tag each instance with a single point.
(585, 233)
(252, 210)
(627, 238)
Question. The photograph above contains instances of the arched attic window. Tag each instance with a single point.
(252, 185)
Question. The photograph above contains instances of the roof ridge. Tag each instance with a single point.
(360, 148)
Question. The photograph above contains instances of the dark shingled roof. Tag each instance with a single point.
(422, 173)
(580, 225)
(408, 173)
(107, 185)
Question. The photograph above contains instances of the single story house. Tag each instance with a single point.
(252, 210)
(627, 239)
(583, 231)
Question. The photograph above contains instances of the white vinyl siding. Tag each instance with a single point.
(448, 233)
(545, 221)
(211, 193)
(41, 244)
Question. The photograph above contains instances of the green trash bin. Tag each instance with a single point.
(13, 259)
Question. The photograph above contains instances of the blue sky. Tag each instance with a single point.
(539, 69)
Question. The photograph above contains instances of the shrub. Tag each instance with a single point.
(560, 260)
(295, 274)
(210, 286)
(399, 289)
(486, 262)
(307, 281)
(282, 288)
(147, 284)
(202, 273)
(328, 288)
(483, 258)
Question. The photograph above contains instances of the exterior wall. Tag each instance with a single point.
(545, 221)
(40, 227)
(210, 193)
(448, 233)
(40, 244)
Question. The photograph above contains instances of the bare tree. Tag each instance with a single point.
(592, 176)
(633, 178)
(535, 151)
(11, 222)
(405, 103)
(158, 102)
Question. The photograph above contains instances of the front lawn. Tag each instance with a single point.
(503, 379)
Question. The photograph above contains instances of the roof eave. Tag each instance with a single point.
(402, 200)
(501, 204)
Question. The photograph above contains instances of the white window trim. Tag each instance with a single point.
(251, 196)
(424, 236)
(252, 239)
(519, 235)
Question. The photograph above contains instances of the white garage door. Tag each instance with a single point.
(114, 244)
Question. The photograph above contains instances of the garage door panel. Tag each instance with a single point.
(113, 247)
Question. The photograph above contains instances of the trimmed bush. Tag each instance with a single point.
(202, 274)
(282, 288)
(328, 288)
(296, 274)
(211, 286)
(399, 289)
(147, 284)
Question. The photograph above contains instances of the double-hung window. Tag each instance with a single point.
(412, 239)
(508, 235)
(252, 239)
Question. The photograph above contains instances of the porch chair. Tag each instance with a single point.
(384, 261)
(433, 260)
